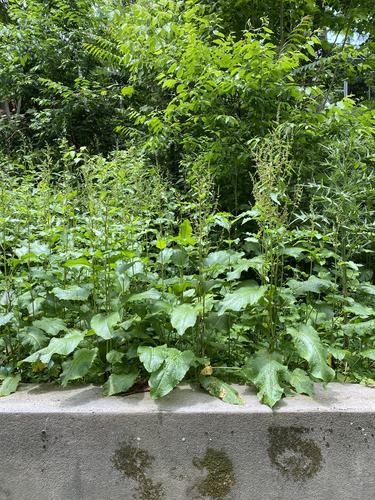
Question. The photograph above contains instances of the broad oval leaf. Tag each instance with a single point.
(73, 292)
(312, 285)
(10, 385)
(185, 233)
(103, 324)
(79, 365)
(77, 263)
(114, 356)
(52, 326)
(165, 255)
(267, 372)
(367, 288)
(151, 294)
(301, 382)
(242, 297)
(34, 337)
(294, 252)
(152, 357)
(179, 257)
(362, 328)
(183, 317)
(222, 258)
(310, 348)
(369, 354)
(5, 319)
(62, 346)
(359, 310)
(171, 372)
(118, 383)
(256, 263)
(338, 353)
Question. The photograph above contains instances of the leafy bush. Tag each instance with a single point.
(185, 197)
(105, 278)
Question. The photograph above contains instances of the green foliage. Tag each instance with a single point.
(309, 347)
(79, 365)
(9, 385)
(183, 317)
(167, 366)
(220, 389)
(185, 197)
(50, 87)
(118, 383)
(266, 371)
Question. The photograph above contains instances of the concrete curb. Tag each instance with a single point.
(73, 444)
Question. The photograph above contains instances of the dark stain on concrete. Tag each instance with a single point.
(133, 463)
(220, 474)
(293, 454)
(5, 494)
(44, 439)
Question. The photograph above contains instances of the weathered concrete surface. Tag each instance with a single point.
(76, 445)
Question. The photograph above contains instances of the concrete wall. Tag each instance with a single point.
(73, 444)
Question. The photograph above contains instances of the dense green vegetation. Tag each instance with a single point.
(187, 194)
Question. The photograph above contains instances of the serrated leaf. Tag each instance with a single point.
(161, 243)
(185, 234)
(152, 357)
(9, 385)
(266, 371)
(185, 230)
(52, 326)
(220, 389)
(310, 348)
(103, 324)
(183, 317)
(118, 383)
(62, 346)
(242, 297)
(73, 292)
(301, 382)
(5, 319)
(79, 365)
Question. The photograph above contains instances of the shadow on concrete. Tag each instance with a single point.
(47, 388)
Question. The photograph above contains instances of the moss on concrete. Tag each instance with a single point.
(133, 462)
(295, 456)
(220, 474)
